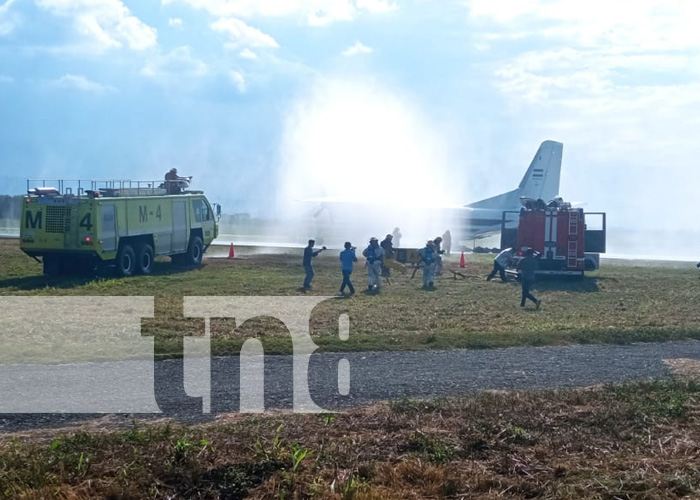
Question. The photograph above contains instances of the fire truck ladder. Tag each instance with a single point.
(573, 243)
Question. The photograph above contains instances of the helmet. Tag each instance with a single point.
(373, 239)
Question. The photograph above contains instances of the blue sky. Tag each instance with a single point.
(263, 98)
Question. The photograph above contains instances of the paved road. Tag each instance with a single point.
(127, 387)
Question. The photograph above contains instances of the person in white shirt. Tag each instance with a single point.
(500, 263)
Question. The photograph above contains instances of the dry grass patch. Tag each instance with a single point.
(636, 441)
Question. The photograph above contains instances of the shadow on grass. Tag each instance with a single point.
(568, 284)
(37, 282)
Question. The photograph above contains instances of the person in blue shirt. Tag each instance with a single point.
(375, 256)
(309, 254)
(347, 258)
(428, 255)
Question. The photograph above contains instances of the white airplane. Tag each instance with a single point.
(540, 182)
(333, 221)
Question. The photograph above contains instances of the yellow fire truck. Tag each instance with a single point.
(75, 225)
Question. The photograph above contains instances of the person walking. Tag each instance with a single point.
(500, 263)
(309, 255)
(347, 258)
(527, 267)
(375, 256)
(428, 256)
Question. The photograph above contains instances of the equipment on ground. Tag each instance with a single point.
(87, 224)
(568, 239)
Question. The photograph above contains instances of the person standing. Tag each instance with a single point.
(396, 233)
(500, 263)
(528, 267)
(309, 254)
(437, 243)
(174, 183)
(347, 258)
(447, 242)
(389, 251)
(428, 256)
(375, 257)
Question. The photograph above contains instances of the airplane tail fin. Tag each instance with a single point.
(541, 180)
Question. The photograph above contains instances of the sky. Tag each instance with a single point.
(365, 99)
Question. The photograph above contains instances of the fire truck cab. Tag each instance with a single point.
(568, 239)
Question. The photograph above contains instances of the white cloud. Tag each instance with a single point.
(644, 25)
(243, 35)
(79, 82)
(357, 48)
(312, 12)
(619, 83)
(175, 22)
(106, 23)
(377, 6)
(8, 21)
(177, 64)
(248, 54)
(589, 55)
(239, 80)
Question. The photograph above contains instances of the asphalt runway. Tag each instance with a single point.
(374, 376)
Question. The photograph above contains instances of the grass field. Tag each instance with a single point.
(637, 441)
(632, 441)
(623, 302)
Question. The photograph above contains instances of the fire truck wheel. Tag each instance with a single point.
(195, 251)
(126, 261)
(144, 259)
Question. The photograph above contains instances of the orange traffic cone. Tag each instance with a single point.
(231, 252)
(462, 262)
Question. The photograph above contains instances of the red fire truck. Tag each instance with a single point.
(568, 239)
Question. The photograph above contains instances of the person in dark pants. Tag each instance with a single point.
(527, 267)
(389, 252)
(347, 258)
(309, 254)
(500, 263)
